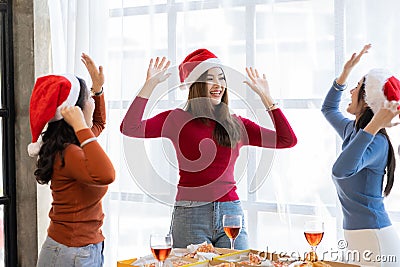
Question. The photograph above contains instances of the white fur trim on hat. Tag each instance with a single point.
(72, 96)
(374, 83)
(201, 68)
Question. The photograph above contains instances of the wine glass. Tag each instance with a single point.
(313, 231)
(161, 246)
(232, 225)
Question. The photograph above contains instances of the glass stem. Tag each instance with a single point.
(160, 263)
(232, 243)
(313, 254)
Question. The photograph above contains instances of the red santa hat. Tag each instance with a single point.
(49, 95)
(196, 63)
(380, 85)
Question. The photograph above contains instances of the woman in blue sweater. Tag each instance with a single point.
(367, 155)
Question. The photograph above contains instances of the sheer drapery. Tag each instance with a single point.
(77, 26)
(300, 45)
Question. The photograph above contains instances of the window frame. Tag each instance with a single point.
(252, 206)
(7, 113)
(171, 9)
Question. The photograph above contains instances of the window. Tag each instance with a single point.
(301, 45)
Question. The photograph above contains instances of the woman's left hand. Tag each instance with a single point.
(258, 84)
(96, 74)
(386, 114)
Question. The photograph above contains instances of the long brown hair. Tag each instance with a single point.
(227, 131)
(364, 119)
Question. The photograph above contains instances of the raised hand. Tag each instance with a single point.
(96, 74)
(73, 115)
(383, 118)
(348, 66)
(156, 70)
(155, 75)
(356, 58)
(258, 84)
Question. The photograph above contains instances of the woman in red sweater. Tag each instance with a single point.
(207, 140)
(76, 166)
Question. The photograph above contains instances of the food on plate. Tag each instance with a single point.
(190, 255)
(180, 262)
(208, 248)
(254, 260)
(203, 248)
(311, 264)
(321, 264)
(225, 264)
(302, 264)
(280, 264)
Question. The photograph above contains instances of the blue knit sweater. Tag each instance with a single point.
(359, 170)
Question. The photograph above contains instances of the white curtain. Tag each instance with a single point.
(300, 45)
(77, 26)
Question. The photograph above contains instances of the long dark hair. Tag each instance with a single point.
(227, 131)
(57, 136)
(364, 119)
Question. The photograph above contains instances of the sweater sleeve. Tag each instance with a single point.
(282, 137)
(330, 109)
(99, 115)
(133, 124)
(363, 151)
(90, 164)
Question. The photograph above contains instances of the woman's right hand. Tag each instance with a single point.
(156, 70)
(349, 65)
(155, 75)
(73, 115)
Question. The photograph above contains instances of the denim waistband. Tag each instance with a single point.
(190, 203)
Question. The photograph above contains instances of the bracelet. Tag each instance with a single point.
(97, 93)
(87, 141)
(272, 106)
(339, 87)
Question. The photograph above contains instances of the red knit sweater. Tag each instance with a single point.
(206, 169)
(77, 188)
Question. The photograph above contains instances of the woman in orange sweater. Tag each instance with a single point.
(70, 158)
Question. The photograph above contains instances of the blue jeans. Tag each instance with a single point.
(58, 255)
(195, 222)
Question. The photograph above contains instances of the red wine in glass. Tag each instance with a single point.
(161, 246)
(161, 253)
(314, 238)
(231, 231)
(232, 225)
(314, 232)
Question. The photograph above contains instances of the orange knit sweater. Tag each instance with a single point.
(78, 187)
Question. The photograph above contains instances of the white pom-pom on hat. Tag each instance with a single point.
(33, 149)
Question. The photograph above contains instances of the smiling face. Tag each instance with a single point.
(357, 105)
(215, 85)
